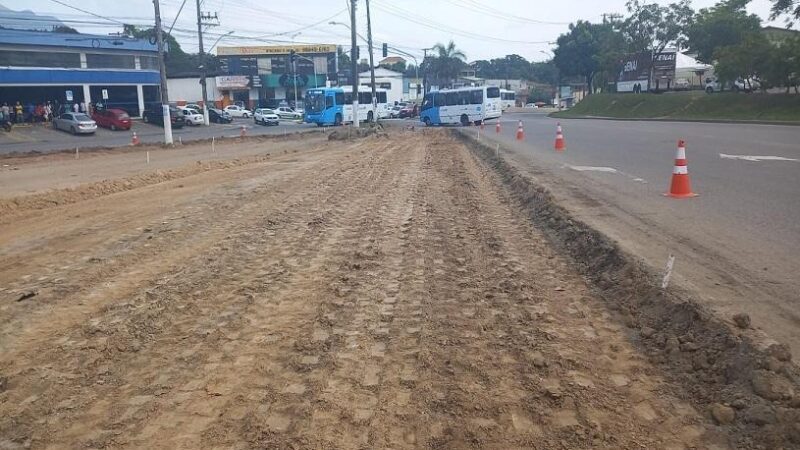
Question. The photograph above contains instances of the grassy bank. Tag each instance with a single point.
(689, 106)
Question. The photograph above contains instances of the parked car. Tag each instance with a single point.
(265, 116)
(285, 112)
(75, 123)
(749, 85)
(410, 110)
(681, 84)
(112, 118)
(192, 116)
(238, 111)
(531, 106)
(219, 116)
(394, 113)
(194, 106)
(155, 116)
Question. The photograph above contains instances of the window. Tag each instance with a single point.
(382, 97)
(493, 92)
(451, 98)
(476, 97)
(103, 61)
(66, 116)
(39, 59)
(464, 97)
(440, 99)
(328, 102)
(427, 102)
(340, 98)
(348, 98)
(148, 62)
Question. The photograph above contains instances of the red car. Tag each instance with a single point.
(115, 119)
(409, 111)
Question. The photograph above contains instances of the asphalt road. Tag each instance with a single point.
(738, 241)
(24, 139)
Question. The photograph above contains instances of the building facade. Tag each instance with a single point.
(264, 76)
(398, 88)
(37, 67)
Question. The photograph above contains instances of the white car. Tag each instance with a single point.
(192, 116)
(265, 116)
(284, 112)
(394, 113)
(237, 111)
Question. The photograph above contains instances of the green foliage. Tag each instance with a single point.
(748, 59)
(791, 7)
(652, 27)
(177, 61)
(589, 49)
(725, 24)
(65, 29)
(444, 66)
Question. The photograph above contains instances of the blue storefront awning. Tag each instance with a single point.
(76, 76)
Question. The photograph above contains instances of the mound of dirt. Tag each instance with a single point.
(716, 364)
(348, 133)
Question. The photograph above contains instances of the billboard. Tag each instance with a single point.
(276, 49)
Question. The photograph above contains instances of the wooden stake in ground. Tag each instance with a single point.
(148, 157)
(77, 154)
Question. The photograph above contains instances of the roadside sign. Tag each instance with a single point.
(69, 96)
(105, 94)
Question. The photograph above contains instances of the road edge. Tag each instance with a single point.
(678, 120)
(717, 364)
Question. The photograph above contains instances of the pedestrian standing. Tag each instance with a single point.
(75, 107)
(6, 111)
(83, 107)
(48, 112)
(18, 112)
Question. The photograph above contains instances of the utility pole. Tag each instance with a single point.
(372, 65)
(353, 62)
(203, 67)
(425, 72)
(163, 69)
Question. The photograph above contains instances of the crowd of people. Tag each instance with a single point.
(39, 113)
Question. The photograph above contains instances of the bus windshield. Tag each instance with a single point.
(315, 101)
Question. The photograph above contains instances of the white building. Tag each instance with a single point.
(396, 86)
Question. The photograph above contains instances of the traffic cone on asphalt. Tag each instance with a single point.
(497, 127)
(680, 186)
(243, 132)
(520, 132)
(135, 139)
(560, 144)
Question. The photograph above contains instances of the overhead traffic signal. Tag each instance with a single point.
(385, 50)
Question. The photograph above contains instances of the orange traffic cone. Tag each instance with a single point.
(243, 133)
(680, 186)
(520, 132)
(135, 139)
(560, 144)
(497, 127)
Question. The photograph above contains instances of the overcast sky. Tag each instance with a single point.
(482, 29)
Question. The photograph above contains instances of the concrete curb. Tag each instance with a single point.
(642, 119)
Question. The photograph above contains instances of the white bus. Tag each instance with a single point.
(365, 110)
(464, 105)
(507, 98)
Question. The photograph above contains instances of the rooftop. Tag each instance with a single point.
(88, 41)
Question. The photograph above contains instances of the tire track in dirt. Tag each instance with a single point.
(384, 293)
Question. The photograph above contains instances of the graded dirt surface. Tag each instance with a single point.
(379, 293)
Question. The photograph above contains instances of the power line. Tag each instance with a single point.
(87, 12)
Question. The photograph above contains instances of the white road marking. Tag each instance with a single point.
(605, 170)
(756, 158)
(594, 169)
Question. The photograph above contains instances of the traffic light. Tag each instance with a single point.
(358, 53)
(385, 50)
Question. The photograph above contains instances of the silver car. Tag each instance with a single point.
(75, 123)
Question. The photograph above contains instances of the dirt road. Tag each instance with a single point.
(383, 293)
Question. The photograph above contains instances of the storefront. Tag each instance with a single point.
(271, 78)
(65, 69)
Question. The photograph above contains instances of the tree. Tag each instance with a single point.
(651, 27)
(791, 7)
(588, 49)
(726, 23)
(176, 60)
(544, 72)
(783, 66)
(65, 29)
(446, 64)
(747, 60)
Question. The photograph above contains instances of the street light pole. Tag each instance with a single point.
(203, 69)
(353, 62)
(372, 65)
(163, 69)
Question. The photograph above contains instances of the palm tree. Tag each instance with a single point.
(447, 63)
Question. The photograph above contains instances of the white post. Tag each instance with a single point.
(167, 125)
(140, 98)
(148, 157)
(668, 272)
(76, 153)
(213, 142)
(87, 97)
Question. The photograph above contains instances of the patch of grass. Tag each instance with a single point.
(689, 105)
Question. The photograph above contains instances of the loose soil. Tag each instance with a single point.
(386, 292)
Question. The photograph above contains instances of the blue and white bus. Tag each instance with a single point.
(334, 106)
(464, 105)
